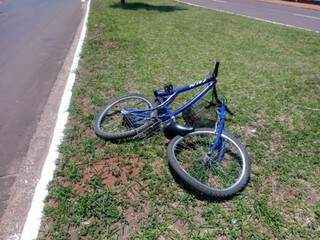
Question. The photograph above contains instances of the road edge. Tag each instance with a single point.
(246, 16)
(38, 165)
(309, 6)
(33, 222)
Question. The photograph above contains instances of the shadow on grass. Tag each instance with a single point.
(148, 7)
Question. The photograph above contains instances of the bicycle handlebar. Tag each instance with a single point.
(214, 92)
(216, 70)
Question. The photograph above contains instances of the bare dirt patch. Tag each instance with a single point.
(86, 106)
(134, 216)
(179, 227)
(283, 194)
(52, 203)
(114, 172)
(90, 133)
(73, 235)
(276, 144)
(76, 187)
(133, 219)
(157, 165)
(123, 176)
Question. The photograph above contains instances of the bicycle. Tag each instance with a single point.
(209, 160)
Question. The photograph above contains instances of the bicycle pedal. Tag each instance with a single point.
(168, 88)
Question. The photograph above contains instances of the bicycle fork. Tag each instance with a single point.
(218, 143)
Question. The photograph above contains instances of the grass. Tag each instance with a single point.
(269, 73)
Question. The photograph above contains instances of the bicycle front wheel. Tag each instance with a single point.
(207, 173)
(112, 124)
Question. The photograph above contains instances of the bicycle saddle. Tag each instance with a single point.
(172, 129)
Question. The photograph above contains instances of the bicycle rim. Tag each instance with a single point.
(191, 154)
(114, 121)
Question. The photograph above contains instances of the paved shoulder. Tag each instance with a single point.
(35, 36)
(301, 18)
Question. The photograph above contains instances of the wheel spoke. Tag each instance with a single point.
(192, 155)
(113, 122)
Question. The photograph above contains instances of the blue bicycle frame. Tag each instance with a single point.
(165, 99)
(165, 104)
(219, 142)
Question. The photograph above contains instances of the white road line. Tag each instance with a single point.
(306, 16)
(219, 1)
(242, 15)
(32, 224)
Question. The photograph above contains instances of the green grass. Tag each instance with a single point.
(269, 73)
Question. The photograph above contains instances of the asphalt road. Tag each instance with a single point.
(299, 17)
(35, 36)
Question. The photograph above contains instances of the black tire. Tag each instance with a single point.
(107, 134)
(211, 192)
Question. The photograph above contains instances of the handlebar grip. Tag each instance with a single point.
(216, 69)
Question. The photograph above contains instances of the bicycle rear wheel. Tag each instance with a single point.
(111, 124)
(207, 174)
